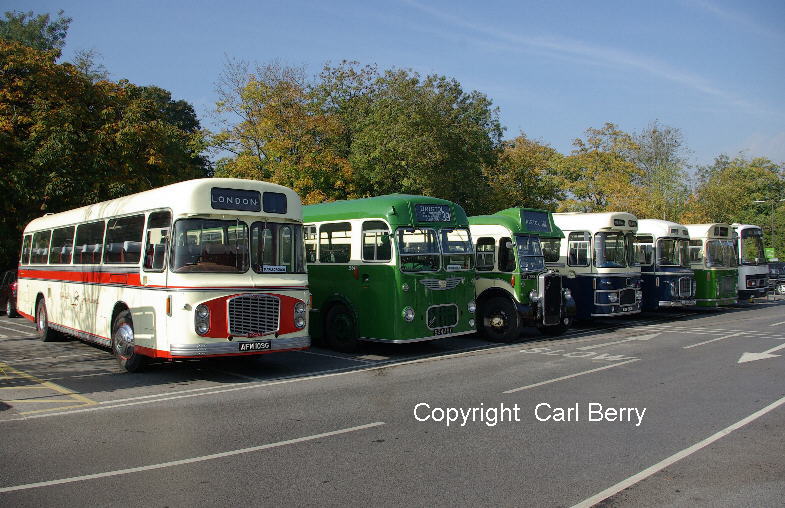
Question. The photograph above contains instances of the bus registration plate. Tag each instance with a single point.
(442, 331)
(257, 345)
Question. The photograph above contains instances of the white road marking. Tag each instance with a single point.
(659, 466)
(777, 324)
(568, 377)
(628, 339)
(713, 340)
(192, 460)
(14, 327)
(751, 357)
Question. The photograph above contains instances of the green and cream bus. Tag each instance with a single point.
(514, 288)
(395, 269)
(713, 259)
(208, 267)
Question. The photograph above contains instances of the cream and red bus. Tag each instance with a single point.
(207, 267)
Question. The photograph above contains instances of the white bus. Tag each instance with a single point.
(598, 263)
(753, 267)
(208, 267)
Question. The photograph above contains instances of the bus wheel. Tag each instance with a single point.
(499, 320)
(340, 330)
(10, 310)
(45, 334)
(123, 345)
(780, 288)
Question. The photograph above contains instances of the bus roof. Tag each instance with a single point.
(711, 230)
(662, 228)
(397, 209)
(595, 222)
(192, 197)
(522, 220)
(739, 227)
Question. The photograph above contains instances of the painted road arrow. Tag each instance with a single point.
(628, 339)
(751, 357)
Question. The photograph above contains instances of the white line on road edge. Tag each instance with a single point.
(628, 339)
(192, 460)
(659, 466)
(713, 340)
(777, 324)
(568, 377)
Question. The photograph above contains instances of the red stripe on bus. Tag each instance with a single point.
(131, 279)
(158, 353)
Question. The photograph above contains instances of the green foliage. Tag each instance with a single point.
(728, 189)
(67, 142)
(38, 32)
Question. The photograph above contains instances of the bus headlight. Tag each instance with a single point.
(202, 319)
(299, 315)
(638, 294)
(613, 297)
(408, 314)
(472, 306)
(567, 293)
(405, 286)
(533, 296)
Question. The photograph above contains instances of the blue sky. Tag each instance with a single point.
(714, 69)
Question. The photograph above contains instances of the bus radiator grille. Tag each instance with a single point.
(685, 286)
(727, 285)
(440, 316)
(441, 284)
(627, 296)
(552, 300)
(253, 314)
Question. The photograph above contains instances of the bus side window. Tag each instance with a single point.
(62, 244)
(486, 248)
(89, 243)
(696, 251)
(310, 244)
(376, 241)
(335, 242)
(40, 253)
(158, 224)
(26, 250)
(506, 255)
(124, 240)
(578, 250)
(644, 250)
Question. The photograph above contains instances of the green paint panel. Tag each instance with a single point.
(716, 287)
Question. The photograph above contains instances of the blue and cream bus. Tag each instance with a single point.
(662, 249)
(598, 264)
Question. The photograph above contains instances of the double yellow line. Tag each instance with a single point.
(74, 399)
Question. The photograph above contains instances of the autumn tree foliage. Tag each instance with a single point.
(355, 132)
(66, 141)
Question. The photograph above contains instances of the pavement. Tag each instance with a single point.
(675, 408)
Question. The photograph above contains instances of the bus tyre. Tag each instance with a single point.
(123, 345)
(45, 334)
(780, 288)
(340, 330)
(499, 320)
(10, 310)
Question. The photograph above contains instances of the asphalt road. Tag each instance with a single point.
(655, 410)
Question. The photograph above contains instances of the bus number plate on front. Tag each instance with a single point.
(442, 331)
(257, 345)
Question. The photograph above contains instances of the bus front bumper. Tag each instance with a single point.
(233, 347)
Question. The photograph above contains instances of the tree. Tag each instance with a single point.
(525, 175)
(660, 155)
(86, 60)
(598, 175)
(276, 130)
(726, 191)
(38, 32)
(66, 141)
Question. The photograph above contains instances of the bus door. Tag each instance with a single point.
(375, 278)
(151, 316)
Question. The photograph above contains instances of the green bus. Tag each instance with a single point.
(713, 259)
(514, 288)
(395, 268)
